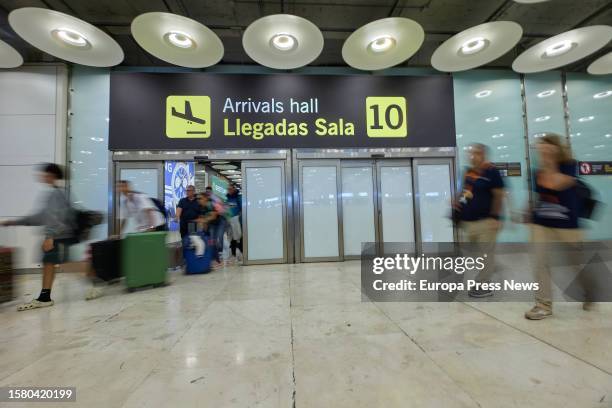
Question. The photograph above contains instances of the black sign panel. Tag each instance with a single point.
(509, 169)
(595, 168)
(208, 111)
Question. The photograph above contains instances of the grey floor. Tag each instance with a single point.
(299, 335)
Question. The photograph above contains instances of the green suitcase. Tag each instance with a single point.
(144, 259)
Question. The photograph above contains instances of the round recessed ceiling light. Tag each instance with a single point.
(563, 49)
(483, 94)
(473, 46)
(178, 40)
(547, 93)
(224, 167)
(601, 95)
(65, 37)
(383, 43)
(542, 118)
(476, 46)
(492, 119)
(71, 37)
(9, 57)
(283, 41)
(497, 135)
(601, 66)
(560, 48)
(586, 119)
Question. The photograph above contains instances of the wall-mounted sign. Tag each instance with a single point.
(509, 169)
(595, 168)
(202, 111)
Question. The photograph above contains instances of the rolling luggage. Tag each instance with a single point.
(106, 259)
(6, 275)
(194, 263)
(144, 259)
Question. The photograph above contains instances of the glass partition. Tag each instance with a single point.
(358, 224)
(489, 110)
(319, 184)
(590, 107)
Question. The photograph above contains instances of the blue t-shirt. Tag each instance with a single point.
(557, 209)
(480, 183)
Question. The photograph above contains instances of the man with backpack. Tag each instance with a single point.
(137, 212)
(57, 218)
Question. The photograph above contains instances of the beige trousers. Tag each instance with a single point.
(539, 236)
(483, 232)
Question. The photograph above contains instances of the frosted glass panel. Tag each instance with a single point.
(142, 180)
(435, 202)
(489, 110)
(264, 198)
(320, 201)
(590, 106)
(357, 208)
(396, 200)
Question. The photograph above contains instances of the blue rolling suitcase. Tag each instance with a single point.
(195, 264)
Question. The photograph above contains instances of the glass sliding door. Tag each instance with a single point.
(396, 203)
(359, 221)
(319, 208)
(434, 186)
(264, 212)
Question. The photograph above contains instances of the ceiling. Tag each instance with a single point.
(336, 18)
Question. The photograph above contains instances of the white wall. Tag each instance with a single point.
(32, 130)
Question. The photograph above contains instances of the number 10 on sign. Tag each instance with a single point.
(386, 116)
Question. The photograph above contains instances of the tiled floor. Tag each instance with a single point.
(299, 335)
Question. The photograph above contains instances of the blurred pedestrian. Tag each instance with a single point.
(554, 216)
(234, 216)
(137, 212)
(480, 208)
(187, 211)
(58, 221)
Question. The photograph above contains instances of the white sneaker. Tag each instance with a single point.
(34, 304)
(94, 293)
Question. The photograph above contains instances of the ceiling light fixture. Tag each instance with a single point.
(9, 57)
(65, 37)
(180, 39)
(381, 44)
(473, 46)
(476, 46)
(283, 42)
(601, 66)
(542, 118)
(492, 119)
(602, 95)
(586, 119)
(483, 94)
(547, 93)
(497, 135)
(70, 37)
(560, 48)
(563, 49)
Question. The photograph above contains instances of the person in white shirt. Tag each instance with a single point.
(137, 212)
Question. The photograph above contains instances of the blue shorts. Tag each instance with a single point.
(59, 253)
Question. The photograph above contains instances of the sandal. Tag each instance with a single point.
(34, 304)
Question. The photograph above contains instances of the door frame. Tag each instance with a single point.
(393, 162)
(417, 208)
(282, 164)
(298, 180)
(375, 196)
(113, 205)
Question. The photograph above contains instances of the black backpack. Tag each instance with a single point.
(85, 220)
(586, 203)
(160, 207)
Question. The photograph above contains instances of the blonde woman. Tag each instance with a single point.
(555, 214)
